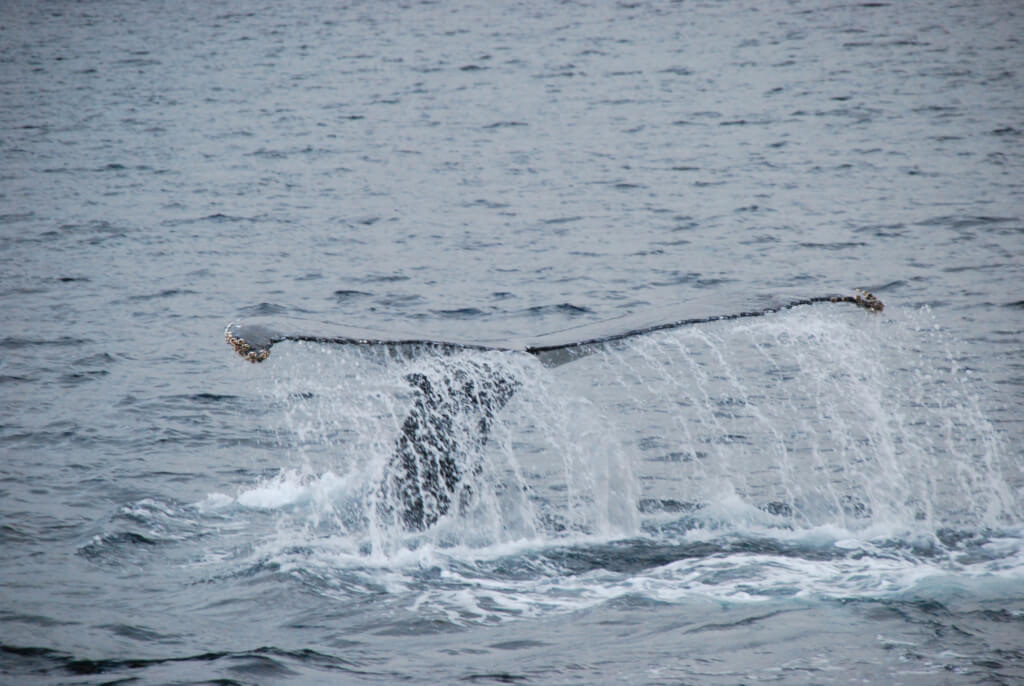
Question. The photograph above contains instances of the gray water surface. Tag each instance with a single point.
(821, 496)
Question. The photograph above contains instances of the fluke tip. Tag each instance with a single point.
(243, 348)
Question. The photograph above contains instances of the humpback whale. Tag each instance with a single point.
(452, 417)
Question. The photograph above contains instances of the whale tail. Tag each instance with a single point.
(445, 431)
(254, 341)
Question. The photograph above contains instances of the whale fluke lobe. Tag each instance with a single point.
(251, 342)
(560, 352)
(442, 437)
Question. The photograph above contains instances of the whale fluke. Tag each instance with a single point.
(451, 416)
(254, 341)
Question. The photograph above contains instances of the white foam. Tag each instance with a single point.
(870, 462)
(214, 501)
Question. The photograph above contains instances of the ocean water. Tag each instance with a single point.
(822, 495)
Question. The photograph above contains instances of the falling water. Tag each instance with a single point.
(815, 418)
(545, 469)
(819, 418)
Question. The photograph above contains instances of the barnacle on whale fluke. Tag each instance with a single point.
(243, 348)
(863, 299)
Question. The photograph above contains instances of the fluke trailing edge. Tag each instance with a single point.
(253, 342)
(450, 419)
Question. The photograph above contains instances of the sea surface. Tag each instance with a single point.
(824, 495)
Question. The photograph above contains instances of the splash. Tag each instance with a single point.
(404, 452)
(820, 420)
(811, 453)
(801, 421)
